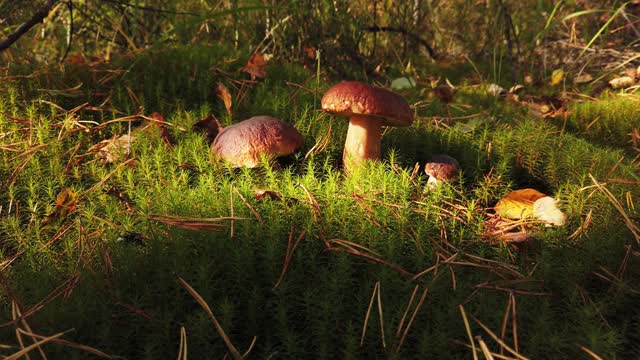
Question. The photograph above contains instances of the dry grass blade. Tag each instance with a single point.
(314, 204)
(372, 258)
(366, 317)
(583, 226)
(505, 319)
(106, 178)
(321, 145)
(206, 224)
(469, 334)
(434, 267)
(484, 348)
(406, 311)
(413, 316)
(590, 353)
(71, 344)
(182, 352)
(26, 350)
(15, 313)
(627, 220)
(231, 223)
(289, 254)
(384, 344)
(47, 299)
(514, 321)
(232, 349)
(246, 203)
(497, 339)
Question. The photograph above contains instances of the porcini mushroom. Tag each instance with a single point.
(441, 168)
(369, 108)
(530, 203)
(244, 143)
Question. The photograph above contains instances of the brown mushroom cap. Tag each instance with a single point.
(243, 144)
(356, 98)
(442, 168)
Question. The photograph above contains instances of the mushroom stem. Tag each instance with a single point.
(363, 140)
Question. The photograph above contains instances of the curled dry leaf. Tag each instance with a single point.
(622, 82)
(496, 90)
(256, 66)
(115, 149)
(261, 194)
(582, 78)
(530, 204)
(223, 93)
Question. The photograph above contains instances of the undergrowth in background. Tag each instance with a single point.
(323, 265)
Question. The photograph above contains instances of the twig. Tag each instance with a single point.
(38, 17)
(152, 9)
(375, 29)
(413, 316)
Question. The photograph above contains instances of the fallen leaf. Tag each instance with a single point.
(164, 132)
(582, 78)
(261, 194)
(310, 52)
(530, 204)
(223, 93)
(210, 126)
(622, 82)
(518, 204)
(66, 202)
(496, 90)
(115, 149)
(556, 77)
(256, 66)
(403, 83)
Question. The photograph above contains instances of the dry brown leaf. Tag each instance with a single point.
(223, 93)
(66, 202)
(622, 82)
(115, 149)
(210, 126)
(256, 66)
(164, 132)
(582, 78)
(261, 194)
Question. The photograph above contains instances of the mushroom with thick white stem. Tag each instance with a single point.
(441, 168)
(369, 108)
(244, 143)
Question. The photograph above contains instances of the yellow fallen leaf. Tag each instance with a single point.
(556, 77)
(518, 204)
(530, 203)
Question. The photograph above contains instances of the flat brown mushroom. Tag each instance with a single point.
(441, 168)
(368, 108)
(244, 143)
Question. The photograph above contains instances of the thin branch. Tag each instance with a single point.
(38, 17)
(152, 9)
(375, 29)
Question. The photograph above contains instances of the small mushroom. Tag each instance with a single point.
(369, 108)
(530, 203)
(244, 143)
(441, 168)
